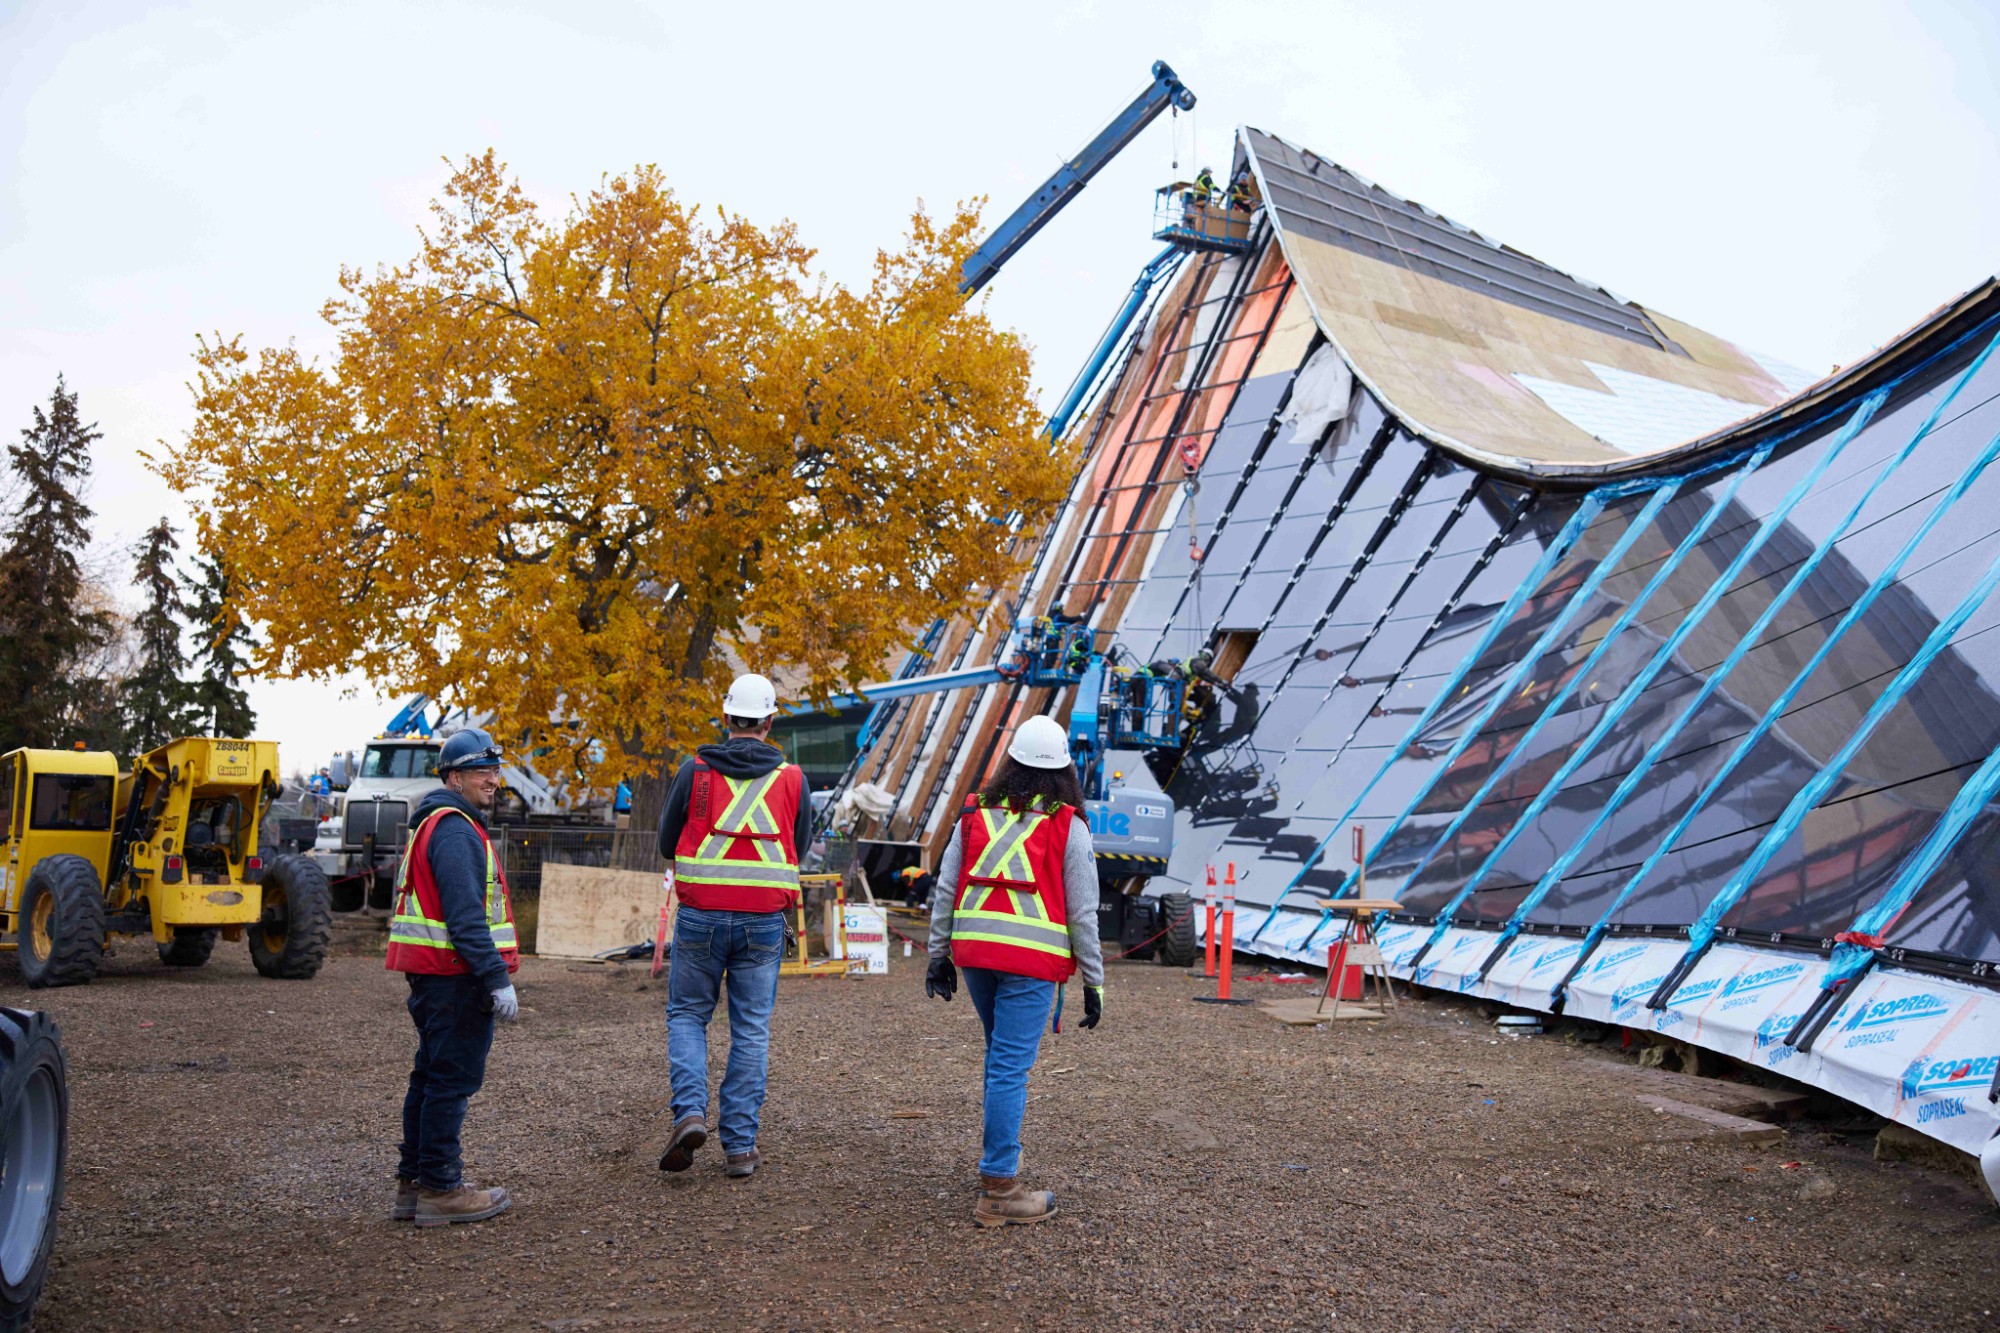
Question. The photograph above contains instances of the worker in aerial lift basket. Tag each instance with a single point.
(1243, 190)
(453, 935)
(736, 819)
(1202, 189)
(1016, 907)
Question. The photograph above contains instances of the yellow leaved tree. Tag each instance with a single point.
(567, 471)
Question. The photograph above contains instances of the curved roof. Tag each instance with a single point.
(1490, 353)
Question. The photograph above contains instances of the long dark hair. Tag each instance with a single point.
(1017, 786)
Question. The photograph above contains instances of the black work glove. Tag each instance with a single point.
(1093, 1006)
(941, 980)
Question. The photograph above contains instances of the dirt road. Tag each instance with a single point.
(234, 1141)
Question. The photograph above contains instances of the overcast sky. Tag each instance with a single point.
(1803, 179)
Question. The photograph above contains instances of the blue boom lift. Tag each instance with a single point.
(1166, 90)
(1118, 706)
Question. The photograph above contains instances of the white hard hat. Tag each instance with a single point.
(750, 696)
(1040, 743)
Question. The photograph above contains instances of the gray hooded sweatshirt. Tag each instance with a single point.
(1079, 899)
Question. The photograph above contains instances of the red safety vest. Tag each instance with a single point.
(418, 938)
(1008, 912)
(738, 851)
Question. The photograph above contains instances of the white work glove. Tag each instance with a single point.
(506, 1004)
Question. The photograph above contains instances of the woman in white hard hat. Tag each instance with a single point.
(1016, 907)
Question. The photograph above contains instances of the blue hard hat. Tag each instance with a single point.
(471, 748)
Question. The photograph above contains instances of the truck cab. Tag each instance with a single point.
(394, 774)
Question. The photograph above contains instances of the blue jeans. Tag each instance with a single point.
(454, 1018)
(1013, 1009)
(711, 949)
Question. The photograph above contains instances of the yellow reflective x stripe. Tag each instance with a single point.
(747, 816)
(1005, 855)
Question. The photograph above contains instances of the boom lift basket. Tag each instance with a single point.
(1187, 216)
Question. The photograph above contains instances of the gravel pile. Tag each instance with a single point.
(233, 1143)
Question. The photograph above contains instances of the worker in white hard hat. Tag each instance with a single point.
(736, 819)
(1016, 907)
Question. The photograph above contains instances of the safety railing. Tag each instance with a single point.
(1187, 214)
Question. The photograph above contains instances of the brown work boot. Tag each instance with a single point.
(466, 1203)
(1003, 1203)
(742, 1165)
(405, 1209)
(689, 1133)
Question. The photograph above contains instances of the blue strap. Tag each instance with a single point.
(1658, 663)
(1850, 958)
(1586, 513)
(1523, 667)
(1573, 681)
(1834, 769)
(1749, 640)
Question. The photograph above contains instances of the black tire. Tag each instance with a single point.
(190, 946)
(1178, 947)
(69, 944)
(290, 940)
(1141, 921)
(34, 1145)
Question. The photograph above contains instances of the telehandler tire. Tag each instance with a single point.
(1138, 942)
(1178, 946)
(60, 929)
(190, 946)
(290, 940)
(34, 1144)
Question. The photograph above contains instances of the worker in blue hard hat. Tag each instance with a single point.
(1016, 908)
(453, 936)
(736, 819)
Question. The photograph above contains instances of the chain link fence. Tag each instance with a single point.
(524, 849)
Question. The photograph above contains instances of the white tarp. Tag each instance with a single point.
(1920, 1050)
(1453, 962)
(1742, 1002)
(1621, 975)
(1917, 1049)
(1320, 395)
(1530, 969)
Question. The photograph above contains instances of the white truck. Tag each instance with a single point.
(394, 773)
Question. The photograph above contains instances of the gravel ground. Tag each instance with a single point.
(233, 1142)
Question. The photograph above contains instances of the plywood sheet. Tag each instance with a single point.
(586, 910)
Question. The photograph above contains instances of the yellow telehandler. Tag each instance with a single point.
(169, 849)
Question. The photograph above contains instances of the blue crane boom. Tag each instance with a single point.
(1166, 90)
(410, 719)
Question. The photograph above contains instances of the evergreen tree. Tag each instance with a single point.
(221, 707)
(46, 629)
(157, 702)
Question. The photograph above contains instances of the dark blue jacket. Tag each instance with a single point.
(458, 867)
(737, 757)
